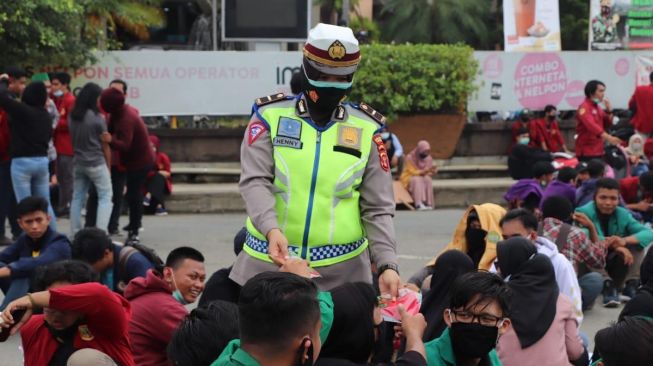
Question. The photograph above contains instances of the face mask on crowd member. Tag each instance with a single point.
(606, 197)
(477, 315)
(60, 83)
(185, 273)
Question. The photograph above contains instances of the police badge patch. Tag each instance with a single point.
(255, 130)
(289, 127)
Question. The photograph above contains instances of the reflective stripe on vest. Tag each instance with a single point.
(317, 174)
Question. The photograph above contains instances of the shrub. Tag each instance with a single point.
(410, 79)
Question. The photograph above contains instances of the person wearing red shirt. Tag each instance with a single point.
(159, 180)
(17, 82)
(525, 121)
(642, 104)
(592, 121)
(637, 193)
(65, 101)
(78, 314)
(548, 136)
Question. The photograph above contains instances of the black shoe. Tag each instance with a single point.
(610, 297)
(629, 290)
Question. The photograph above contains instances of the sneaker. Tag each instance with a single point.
(160, 211)
(127, 228)
(610, 297)
(629, 290)
(146, 201)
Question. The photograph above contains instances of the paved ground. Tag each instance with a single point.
(420, 235)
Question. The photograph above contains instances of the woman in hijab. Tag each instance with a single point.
(642, 303)
(417, 176)
(449, 266)
(544, 329)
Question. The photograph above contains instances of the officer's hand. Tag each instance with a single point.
(390, 283)
(296, 266)
(277, 247)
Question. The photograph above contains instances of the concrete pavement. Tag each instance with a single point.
(420, 235)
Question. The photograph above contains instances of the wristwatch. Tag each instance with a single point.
(385, 267)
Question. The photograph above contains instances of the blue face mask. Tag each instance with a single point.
(58, 93)
(330, 84)
(176, 294)
(524, 140)
(596, 100)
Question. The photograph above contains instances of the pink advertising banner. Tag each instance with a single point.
(511, 81)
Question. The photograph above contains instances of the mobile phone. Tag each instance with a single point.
(17, 315)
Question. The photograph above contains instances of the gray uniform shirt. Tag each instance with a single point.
(377, 208)
(85, 136)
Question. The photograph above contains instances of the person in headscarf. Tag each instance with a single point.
(159, 180)
(417, 176)
(543, 321)
(525, 193)
(626, 343)
(449, 266)
(477, 233)
(642, 303)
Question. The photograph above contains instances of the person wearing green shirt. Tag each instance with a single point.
(625, 237)
(477, 316)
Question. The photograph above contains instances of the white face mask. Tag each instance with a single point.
(58, 93)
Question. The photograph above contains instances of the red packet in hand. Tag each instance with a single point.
(390, 309)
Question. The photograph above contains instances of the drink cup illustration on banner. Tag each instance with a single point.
(531, 25)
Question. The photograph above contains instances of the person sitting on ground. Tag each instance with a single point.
(158, 303)
(526, 194)
(203, 334)
(159, 181)
(636, 157)
(417, 176)
(637, 193)
(583, 173)
(394, 149)
(585, 193)
(448, 267)
(83, 322)
(544, 329)
(523, 157)
(39, 245)
(564, 185)
(543, 172)
(626, 239)
(585, 253)
(523, 126)
(626, 343)
(548, 136)
(116, 264)
(642, 303)
(476, 317)
(476, 235)
(522, 223)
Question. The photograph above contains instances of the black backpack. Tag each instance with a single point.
(133, 246)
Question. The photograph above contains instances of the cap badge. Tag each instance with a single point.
(337, 50)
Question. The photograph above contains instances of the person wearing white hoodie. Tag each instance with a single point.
(520, 222)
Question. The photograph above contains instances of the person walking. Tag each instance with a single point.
(92, 157)
(316, 177)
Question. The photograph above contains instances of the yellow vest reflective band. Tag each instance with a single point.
(316, 179)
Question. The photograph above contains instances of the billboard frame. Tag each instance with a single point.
(309, 14)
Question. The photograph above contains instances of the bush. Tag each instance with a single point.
(411, 79)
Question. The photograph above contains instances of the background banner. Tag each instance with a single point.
(531, 25)
(621, 24)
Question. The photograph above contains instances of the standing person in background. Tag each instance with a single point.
(129, 136)
(30, 130)
(417, 176)
(159, 180)
(15, 87)
(548, 136)
(92, 157)
(641, 103)
(65, 101)
(395, 150)
(592, 122)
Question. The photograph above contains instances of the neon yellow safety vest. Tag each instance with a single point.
(317, 174)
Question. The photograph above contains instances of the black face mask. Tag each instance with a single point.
(475, 237)
(472, 340)
(423, 156)
(551, 118)
(326, 99)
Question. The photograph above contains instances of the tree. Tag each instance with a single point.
(574, 24)
(65, 33)
(440, 21)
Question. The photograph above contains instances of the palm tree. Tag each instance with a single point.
(439, 21)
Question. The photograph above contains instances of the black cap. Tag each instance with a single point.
(581, 167)
(542, 168)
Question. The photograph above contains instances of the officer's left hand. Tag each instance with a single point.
(390, 283)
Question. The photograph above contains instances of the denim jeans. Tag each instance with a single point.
(591, 285)
(30, 177)
(12, 288)
(100, 177)
(7, 201)
(118, 183)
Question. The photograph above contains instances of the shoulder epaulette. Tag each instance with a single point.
(269, 99)
(378, 117)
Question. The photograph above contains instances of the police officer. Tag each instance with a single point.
(316, 177)
(592, 122)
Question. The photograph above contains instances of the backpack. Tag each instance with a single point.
(134, 246)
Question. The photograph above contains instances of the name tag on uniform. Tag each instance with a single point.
(287, 142)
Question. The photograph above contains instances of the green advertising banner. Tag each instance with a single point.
(621, 25)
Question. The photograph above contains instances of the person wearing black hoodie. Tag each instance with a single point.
(30, 127)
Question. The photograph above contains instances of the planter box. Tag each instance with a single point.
(442, 131)
(201, 145)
